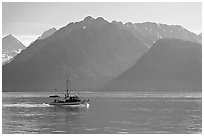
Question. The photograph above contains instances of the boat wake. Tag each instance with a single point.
(80, 105)
(26, 105)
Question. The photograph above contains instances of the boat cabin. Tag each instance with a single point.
(55, 97)
(73, 98)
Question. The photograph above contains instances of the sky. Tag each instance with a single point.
(27, 21)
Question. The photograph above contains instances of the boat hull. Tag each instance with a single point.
(70, 104)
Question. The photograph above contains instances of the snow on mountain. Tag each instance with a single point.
(10, 48)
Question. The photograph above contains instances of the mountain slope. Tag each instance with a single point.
(93, 49)
(170, 64)
(10, 48)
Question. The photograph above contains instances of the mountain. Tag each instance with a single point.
(94, 50)
(169, 65)
(200, 36)
(47, 33)
(10, 48)
(149, 32)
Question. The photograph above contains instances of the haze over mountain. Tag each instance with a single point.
(149, 32)
(169, 65)
(93, 49)
(10, 48)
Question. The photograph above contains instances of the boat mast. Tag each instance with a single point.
(67, 82)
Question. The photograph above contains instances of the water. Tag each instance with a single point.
(108, 113)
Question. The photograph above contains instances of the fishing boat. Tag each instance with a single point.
(71, 98)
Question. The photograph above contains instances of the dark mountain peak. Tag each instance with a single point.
(88, 18)
(114, 22)
(158, 24)
(86, 23)
(52, 29)
(10, 40)
(129, 24)
(47, 33)
(177, 26)
(155, 25)
(147, 23)
(120, 24)
(100, 19)
(10, 36)
(67, 26)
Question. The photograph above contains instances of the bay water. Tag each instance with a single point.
(107, 113)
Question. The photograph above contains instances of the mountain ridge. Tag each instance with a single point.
(149, 32)
(169, 65)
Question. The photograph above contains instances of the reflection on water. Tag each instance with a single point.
(106, 114)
